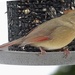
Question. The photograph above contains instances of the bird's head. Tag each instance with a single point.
(69, 16)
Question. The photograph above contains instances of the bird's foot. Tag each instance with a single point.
(42, 51)
(66, 52)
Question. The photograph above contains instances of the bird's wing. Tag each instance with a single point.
(44, 29)
(40, 36)
(50, 34)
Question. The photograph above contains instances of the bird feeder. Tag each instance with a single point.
(25, 15)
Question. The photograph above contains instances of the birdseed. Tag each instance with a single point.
(25, 15)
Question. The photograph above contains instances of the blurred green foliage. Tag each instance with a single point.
(65, 70)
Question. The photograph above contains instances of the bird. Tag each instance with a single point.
(53, 34)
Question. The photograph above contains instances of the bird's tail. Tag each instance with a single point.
(18, 41)
(7, 44)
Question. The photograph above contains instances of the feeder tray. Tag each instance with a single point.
(25, 15)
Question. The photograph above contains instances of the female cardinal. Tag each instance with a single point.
(53, 34)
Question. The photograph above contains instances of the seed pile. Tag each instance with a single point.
(25, 15)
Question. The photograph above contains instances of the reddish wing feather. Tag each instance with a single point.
(40, 39)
